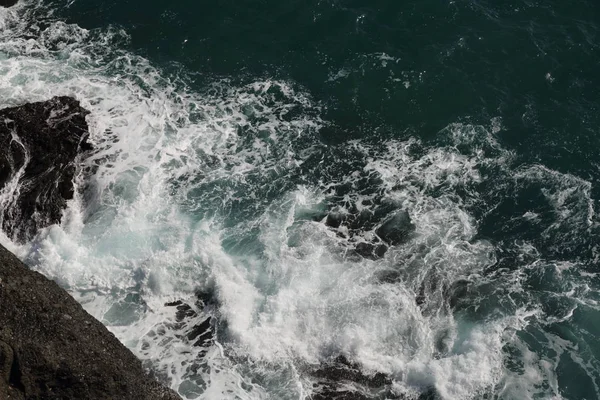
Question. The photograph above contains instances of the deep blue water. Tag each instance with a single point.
(230, 134)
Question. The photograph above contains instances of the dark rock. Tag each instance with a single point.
(361, 221)
(396, 229)
(39, 143)
(206, 297)
(44, 355)
(341, 369)
(335, 394)
(203, 332)
(184, 311)
(334, 219)
(8, 3)
(6, 361)
(385, 208)
(429, 394)
(390, 276)
(341, 379)
(370, 250)
(457, 293)
(421, 296)
(391, 225)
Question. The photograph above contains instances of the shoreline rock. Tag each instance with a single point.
(39, 144)
(51, 348)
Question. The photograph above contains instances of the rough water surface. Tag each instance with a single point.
(329, 199)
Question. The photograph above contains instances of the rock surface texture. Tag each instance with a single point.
(51, 348)
(39, 143)
(340, 379)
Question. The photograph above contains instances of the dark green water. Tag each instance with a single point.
(479, 118)
(534, 65)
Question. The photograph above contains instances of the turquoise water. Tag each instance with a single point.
(228, 134)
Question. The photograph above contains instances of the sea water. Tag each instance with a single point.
(226, 134)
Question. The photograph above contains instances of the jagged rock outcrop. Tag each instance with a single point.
(39, 143)
(340, 379)
(51, 348)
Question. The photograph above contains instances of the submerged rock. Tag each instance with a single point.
(371, 226)
(370, 250)
(50, 348)
(39, 143)
(334, 219)
(395, 230)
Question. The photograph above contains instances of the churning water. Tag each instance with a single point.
(250, 205)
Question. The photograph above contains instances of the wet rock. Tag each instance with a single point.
(6, 363)
(370, 250)
(45, 356)
(343, 369)
(206, 297)
(329, 394)
(396, 230)
(361, 220)
(457, 293)
(334, 219)
(184, 311)
(8, 3)
(39, 144)
(341, 379)
(429, 394)
(203, 332)
(384, 208)
(421, 297)
(390, 276)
